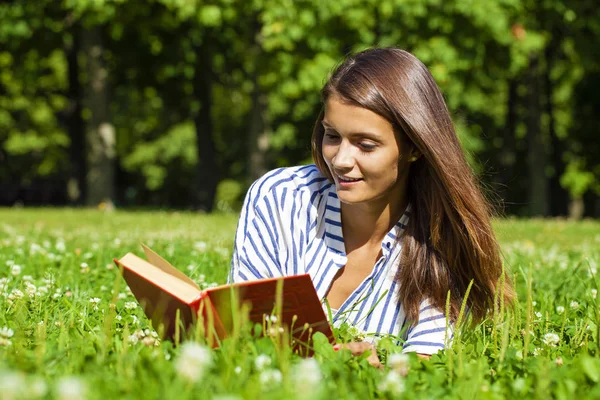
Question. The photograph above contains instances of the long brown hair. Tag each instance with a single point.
(449, 239)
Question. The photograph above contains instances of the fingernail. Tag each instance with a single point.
(336, 347)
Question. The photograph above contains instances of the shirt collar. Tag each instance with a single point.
(334, 238)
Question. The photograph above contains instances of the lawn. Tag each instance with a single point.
(70, 329)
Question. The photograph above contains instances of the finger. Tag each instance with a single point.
(358, 348)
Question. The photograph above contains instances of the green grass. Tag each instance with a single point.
(65, 340)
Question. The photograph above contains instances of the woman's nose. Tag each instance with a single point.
(344, 157)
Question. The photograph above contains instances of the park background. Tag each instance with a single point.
(183, 103)
(162, 108)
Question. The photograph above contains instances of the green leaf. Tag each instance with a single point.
(590, 368)
(210, 16)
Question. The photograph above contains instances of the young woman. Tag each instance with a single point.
(388, 220)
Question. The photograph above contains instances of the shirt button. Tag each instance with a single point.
(339, 259)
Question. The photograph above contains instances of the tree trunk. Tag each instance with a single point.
(208, 173)
(258, 134)
(559, 197)
(576, 209)
(100, 133)
(537, 155)
(508, 151)
(76, 190)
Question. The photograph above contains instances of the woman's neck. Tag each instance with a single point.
(368, 223)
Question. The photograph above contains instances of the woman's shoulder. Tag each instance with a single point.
(289, 180)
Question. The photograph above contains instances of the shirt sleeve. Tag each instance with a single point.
(256, 245)
(429, 335)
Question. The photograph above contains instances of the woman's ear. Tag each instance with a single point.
(414, 155)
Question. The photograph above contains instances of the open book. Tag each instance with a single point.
(168, 296)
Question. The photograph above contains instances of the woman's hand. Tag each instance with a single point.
(358, 348)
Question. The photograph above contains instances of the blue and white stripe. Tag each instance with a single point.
(290, 224)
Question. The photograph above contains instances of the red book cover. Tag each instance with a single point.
(163, 291)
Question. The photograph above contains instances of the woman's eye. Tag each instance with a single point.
(331, 136)
(367, 146)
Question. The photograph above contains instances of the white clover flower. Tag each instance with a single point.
(133, 338)
(399, 363)
(121, 296)
(594, 293)
(134, 320)
(6, 332)
(193, 360)
(15, 270)
(238, 370)
(392, 384)
(30, 289)
(70, 388)
(222, 251)
(60, 246)
(271, 318)
(200, 246)
(118, 317)
(28, 278)
(130, 305)
(560, 309)
(35, 248)
(37, 388)
(551, 339)
(534, 303)
(356, 333)
(262, 361)
(574, 305)
(519, 385)
(307, 376)
(11, 384)
(15, 294)
(270, 377)
(94, 301)
(538, 314)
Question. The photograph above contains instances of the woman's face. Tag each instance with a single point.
(366, 158)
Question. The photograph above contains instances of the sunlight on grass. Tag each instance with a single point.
(70, 328)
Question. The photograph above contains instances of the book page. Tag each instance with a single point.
(155, 276)
(163, 264)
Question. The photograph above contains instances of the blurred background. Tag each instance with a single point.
(183, 103)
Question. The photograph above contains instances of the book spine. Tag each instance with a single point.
(209, 319)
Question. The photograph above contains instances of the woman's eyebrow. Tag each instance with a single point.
(370, 135)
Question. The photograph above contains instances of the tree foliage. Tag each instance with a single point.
(202, 92)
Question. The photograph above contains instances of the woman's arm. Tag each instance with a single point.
(256, 245)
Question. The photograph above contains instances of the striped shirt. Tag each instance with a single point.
(290, 224)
